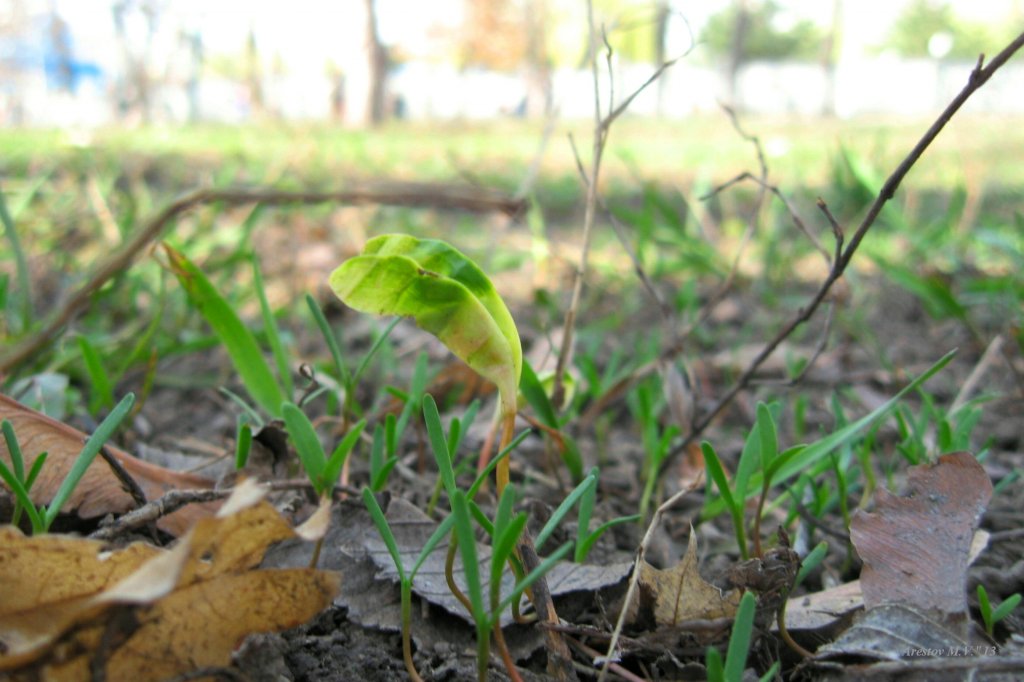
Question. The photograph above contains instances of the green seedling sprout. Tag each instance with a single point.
(322, 471)
(243, 442)
(21, 501)
(771, 460)
(505, 533)
(657, 442)
(42, 517)
(992, 616)
(810, 562)
(405, 577)
(450, 297)
(239, 341)
(717, 475)
(739, 647)
(585, 493)
(813, 458)
(99, 380)
(270, 329)
(536, 391)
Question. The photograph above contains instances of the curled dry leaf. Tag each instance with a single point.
(99, 492)
(674, 595)
(916, 548)
(68, 603)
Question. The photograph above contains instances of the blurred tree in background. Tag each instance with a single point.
(928, 28)
(752, 31)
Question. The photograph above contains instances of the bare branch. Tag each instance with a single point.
(398, 194)
(979, 76)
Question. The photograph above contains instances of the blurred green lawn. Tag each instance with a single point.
(981, 152)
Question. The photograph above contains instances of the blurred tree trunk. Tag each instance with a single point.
(254, 75)
(194, 41)
(364, 79)
(661, 18)
(538, 61)
(134, 86)
(737, 50)
(378, 65)
(829, 55)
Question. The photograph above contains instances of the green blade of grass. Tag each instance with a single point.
(377, 514)
(533, 390)
(533, 576)
(103, 391)
(578, 492)
(438, 443)
(810, 562)
(769, 438)
(270, 328)
(713, 663)
(33, 473)
(583, 549)
(239, 341)
(739, 640)
(22, 498)
(307, 444)
(243, 442)
(467, 546)
(337, 459)
(810, 458)
(24, 313)
(1004, 609)
(329, 338)
(14, 448)
(440, 533)
(89, 451)
(365, 362)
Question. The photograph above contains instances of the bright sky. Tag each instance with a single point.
(313, 31)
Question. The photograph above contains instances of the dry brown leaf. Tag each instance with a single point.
(99, 492)
(916, 548)
(678, 594)
(202, 598)
(52, 568)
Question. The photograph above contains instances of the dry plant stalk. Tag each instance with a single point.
(396, 194)
(602, 126)
(979, 76)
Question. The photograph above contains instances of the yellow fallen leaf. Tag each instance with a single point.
(50, 568)
(144, 613)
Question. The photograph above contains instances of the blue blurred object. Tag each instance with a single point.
(63, 71)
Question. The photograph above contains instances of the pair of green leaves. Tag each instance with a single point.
(445, 293)
(322, 471)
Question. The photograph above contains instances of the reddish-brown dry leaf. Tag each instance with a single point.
(915, 548)
(99, 492)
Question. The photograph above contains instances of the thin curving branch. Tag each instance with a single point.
(395, 194)
(979, 76)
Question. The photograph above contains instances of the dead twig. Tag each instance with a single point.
(979, 76)
(602, 126)
(971, 382)
(634, 580)
(158, 508)
(127, 482)
(774, 189)
(397, 194)
(595, 656)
